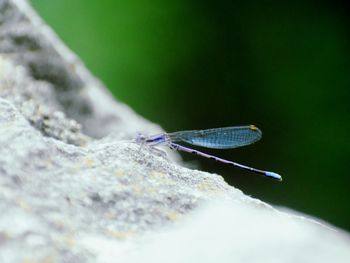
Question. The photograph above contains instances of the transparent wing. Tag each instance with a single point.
(219, 138)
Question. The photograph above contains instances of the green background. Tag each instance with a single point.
(203, 64)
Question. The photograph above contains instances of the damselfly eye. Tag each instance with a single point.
(140, 137)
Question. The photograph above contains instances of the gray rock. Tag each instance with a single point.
(75, 188)
(56, 80)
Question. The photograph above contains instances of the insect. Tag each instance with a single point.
(217, 138)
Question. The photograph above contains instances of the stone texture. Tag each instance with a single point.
(73, 192)
(54, 79)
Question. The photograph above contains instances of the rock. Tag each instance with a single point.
(51, 77)
(71, 191)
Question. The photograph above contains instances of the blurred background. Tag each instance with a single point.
(283, 66)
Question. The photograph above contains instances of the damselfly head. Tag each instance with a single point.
(140, 138)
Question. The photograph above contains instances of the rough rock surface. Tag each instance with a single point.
(73, 192)
(51, 79)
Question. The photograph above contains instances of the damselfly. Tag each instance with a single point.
(218, 138)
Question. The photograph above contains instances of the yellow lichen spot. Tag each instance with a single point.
(69, 240)
(8, 124)
(120, 234)
(158, 174)
(72, 67)
(172, 216)
(137, 188)
(47, 163)
(23, 204)
(152, 190)
(206, 187)
(88, 162)
(83, 144)
(162, 177)
(253, 127)
(119, 173)
(110, 215)
(47, 259)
